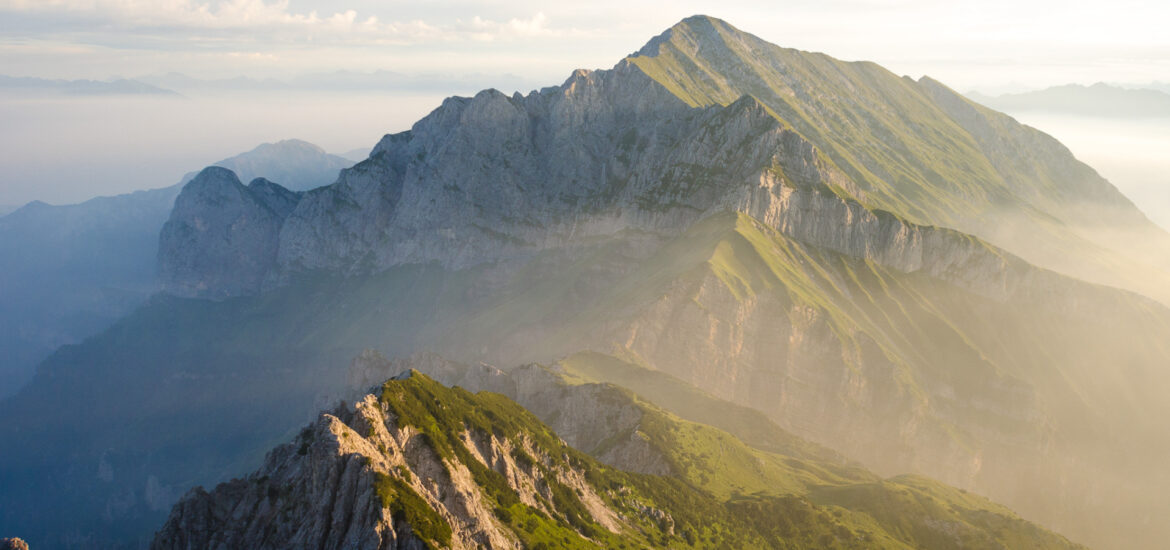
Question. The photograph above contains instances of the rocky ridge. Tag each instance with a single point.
(367, 477)
(421, 466)
(706, 119)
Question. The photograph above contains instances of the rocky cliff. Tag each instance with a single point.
(221, 237)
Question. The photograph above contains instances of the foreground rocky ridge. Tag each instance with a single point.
(422, 466)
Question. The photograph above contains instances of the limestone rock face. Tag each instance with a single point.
(586, 416)
(291, 502)
(322, 490)
(221, 237)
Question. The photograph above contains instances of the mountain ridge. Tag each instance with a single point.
(942, 161)
(1098, 99)
(72, 270)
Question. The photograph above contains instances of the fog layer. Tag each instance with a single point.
(67, 149)
(1134, 155)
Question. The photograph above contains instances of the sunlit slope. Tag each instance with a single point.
(922, 151)
(1051, 389)
(463, 469)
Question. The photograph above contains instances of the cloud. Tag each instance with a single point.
(121, 22)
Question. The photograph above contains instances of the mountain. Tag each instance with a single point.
(597, 147)
(343, 81)
(419, 465)
(298, 165)
(228, 244)
(120, 86)
(73, 270)
(1100, 99)
(804, 252)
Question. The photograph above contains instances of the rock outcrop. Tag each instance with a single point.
(221, 237)
(367, 477)
(15, 543)
(586, 416)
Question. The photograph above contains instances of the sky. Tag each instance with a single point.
(984, 44)
(68, 149)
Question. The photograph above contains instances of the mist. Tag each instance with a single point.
(66, 149)
(1131, 154)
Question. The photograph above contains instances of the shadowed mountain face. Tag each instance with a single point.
(803, 237)
(70, 271)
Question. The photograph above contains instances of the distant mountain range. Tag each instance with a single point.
(119, 86)
(72, 270)
(176, 84)
(343, 81)
(1097, 100)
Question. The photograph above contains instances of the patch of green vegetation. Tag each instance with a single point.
(691, 403)
(886, 133)
(406, 505)
(928, 514)
(707, 505)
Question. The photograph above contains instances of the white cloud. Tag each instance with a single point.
(273, 20)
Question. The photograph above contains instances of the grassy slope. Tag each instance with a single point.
(692, 404)
(905, 154)
(915, 320)
(850, 515)
(1087, 374)
(721, 464)
(908, 149)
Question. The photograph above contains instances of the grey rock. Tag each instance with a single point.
(319, 490)
(221, 237)
(586, 416)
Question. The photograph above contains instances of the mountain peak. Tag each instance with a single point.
(290, 145)
(216, 174)
(696, 29)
